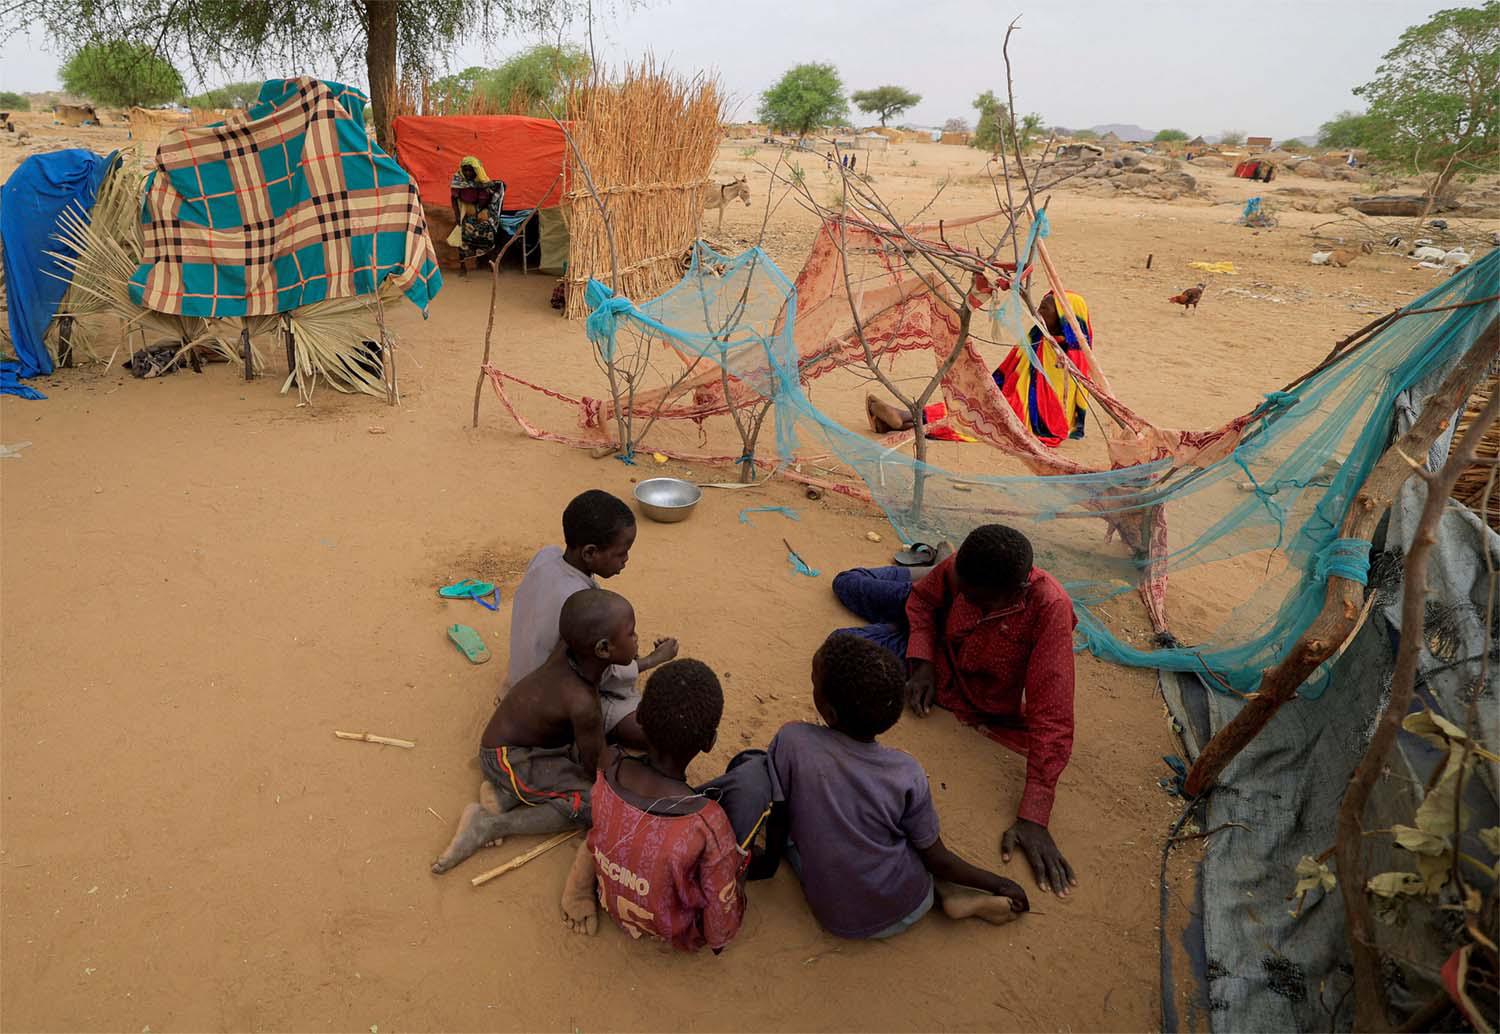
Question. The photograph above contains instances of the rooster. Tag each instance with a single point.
(1189, 298)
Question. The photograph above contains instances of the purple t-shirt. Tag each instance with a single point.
(859, 814)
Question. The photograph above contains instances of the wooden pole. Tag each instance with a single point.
(520, 860)
(1344, 599)
(65, 341)
(247, 355)
(291, 352)
(370, 737)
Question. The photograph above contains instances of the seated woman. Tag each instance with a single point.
(1053, 407)
(473, 192)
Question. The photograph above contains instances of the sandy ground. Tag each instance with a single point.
(200, 581)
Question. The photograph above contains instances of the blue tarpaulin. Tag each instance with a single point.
(30, 203)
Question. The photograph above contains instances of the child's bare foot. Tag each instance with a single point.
(579, 914)
(884, 417)
(476, 829)
(962, 903)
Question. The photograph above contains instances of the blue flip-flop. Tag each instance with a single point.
(466, 589)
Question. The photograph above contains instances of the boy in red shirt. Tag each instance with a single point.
(664, 856)
(988, 636)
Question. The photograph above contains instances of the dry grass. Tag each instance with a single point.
(649, 140)
(1471, 484)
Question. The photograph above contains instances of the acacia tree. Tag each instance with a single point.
(120, 73)
(1169, 136)
(1435, 100)
(993, 115)
(885, 101)
(1232, 137)
(807, 97)
(280, 34)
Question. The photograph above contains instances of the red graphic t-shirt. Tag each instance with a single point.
(676, 877)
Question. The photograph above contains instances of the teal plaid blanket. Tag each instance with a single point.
(289, 204)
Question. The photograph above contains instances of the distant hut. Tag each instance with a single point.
(1257, 143)
(1197, 141)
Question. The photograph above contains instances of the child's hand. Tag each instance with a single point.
(666, 650)
(1012, 890)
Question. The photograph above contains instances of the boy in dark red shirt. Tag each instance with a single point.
(858, 824)
(988, 636)
(664, 856)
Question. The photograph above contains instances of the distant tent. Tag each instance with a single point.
(527, 154)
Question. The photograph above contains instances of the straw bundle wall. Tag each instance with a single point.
(1471, 484)
(648, 140)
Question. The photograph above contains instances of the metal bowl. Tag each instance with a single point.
(667, 500)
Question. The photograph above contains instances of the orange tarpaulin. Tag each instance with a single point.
(527, 153)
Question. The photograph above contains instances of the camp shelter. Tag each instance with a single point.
(526, 153)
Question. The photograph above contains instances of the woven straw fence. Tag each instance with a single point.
(648, 139)
(1471, 483)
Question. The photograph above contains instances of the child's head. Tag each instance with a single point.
(681, 708)
(858, 687)
(599, 530)
(598, 624)
(993, 566)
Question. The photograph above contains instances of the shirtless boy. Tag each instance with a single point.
(540, 751)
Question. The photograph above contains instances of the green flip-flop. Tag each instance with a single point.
(468, 641)
(466, 588)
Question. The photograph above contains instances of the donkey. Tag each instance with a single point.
(726, 193)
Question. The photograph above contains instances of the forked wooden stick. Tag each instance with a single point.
(1344, 599)
(520, 860)
(370, 737)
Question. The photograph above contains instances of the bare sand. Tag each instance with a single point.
(201, 581)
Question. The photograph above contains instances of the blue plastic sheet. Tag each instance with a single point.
(30, 203)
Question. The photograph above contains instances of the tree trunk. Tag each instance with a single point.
(380, 64)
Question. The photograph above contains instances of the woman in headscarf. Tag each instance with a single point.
(1054, 404)
(473, 193)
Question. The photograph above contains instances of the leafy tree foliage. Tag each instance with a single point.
(1435, 100)
(807, 97)
(120, 73)
(885, 101)
(278, 35)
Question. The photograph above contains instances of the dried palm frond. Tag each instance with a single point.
(329, 339)
(102, 251)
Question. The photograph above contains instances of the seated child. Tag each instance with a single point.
(598, 531)
(665, 857)
(542, 746)
(863, 834)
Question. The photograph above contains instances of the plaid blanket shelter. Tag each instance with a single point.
(289, 204)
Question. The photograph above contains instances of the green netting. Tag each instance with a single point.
(1249, 534)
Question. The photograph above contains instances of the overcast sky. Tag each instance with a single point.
(1273, 67)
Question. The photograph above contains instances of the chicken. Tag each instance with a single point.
(1189, 298)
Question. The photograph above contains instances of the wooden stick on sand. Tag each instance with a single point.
(520, 860)
(370, 737)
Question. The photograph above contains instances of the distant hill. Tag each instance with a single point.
(1124, 130)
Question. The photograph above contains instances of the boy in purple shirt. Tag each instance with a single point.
(858, 823)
